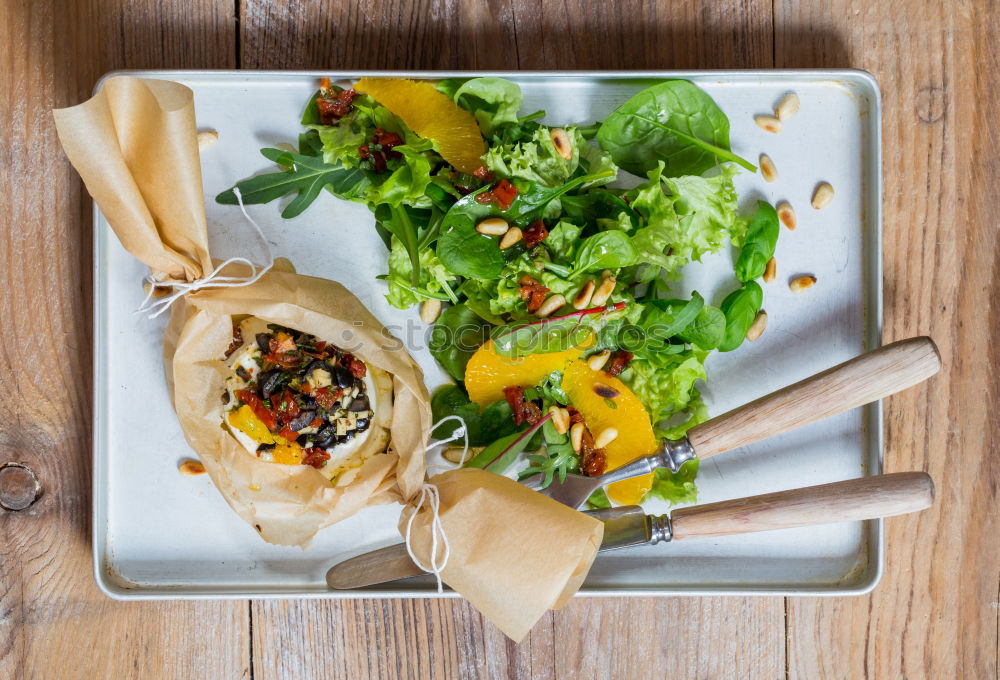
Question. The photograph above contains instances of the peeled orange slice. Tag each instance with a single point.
(628, 416)
(488, 373)
(430, 114)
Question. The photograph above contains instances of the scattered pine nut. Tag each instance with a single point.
(493, 226)
(453, 454)
(582, 299)
(560, 419)
(822, 196)
(576, 436)
(770, 270)
(562, 142)
(430, 310)
(604, 291)
(757, 327)
(767, 168)
(606, 436)
(787, 215)
(191, 468)
(207, 139)
(606, 391)
(513, 235)
(597, 361)
(769, 123)
(551, 304)
(801, 283)
(787, 107)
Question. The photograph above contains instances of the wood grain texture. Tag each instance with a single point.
(856, 382)
(935, 613)
(53, 621)
(851, 500)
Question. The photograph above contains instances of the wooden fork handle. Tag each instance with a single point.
(853, 500)
(861, 380)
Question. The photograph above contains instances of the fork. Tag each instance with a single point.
(864, 379)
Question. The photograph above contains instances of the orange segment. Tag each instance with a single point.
(430, 114)
(488, 373)
(635, 432)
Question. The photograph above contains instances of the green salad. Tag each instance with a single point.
(540, 257)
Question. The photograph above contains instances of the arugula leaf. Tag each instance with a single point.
(495, 422)
(740, 307)
(761, 240)
(306, 176)
(457, 334)
(674, 121)
(557, 460)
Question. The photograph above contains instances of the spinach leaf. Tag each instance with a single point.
(596, 204)
(306, 177)
(758, 247)
(674, 121)
(554, 334)
(496, 420)
(458, 333)
(607, 250)
(740, 307)
(499, 455)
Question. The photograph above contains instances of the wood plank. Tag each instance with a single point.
(935, 613)
(446, 638)
(53, 620)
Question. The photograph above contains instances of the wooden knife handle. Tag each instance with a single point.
(861, 380)
(853, 500)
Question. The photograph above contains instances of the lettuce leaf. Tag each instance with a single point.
(536, 160)
(493, 101)
(434, 276)
(407, 184)
(665, 383)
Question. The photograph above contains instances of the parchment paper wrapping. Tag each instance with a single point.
(514, 553)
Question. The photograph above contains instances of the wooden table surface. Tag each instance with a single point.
(935, 614)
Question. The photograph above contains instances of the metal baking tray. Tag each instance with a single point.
(157, 534)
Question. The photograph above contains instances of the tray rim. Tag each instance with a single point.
(872, 419)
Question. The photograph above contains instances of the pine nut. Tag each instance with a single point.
(769, 123)
(191, 468)
(787, 107)
(453, 454)
(582, 299)
(597, 361)
(606, 274)
(527, 280)
(430, 310)
(493, 226)
(606, 391)
(560, 419)
(207, 139)
(607, 435)
(787, 215)
(758, 326)
(767, 168)
(576, 436)
(562, 142)
(770, 271)
(801, 283)
(513, 235)
(551, 304)
(822, 196)
(604, 291)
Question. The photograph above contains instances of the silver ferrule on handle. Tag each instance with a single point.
(672, 453)
(660, 529)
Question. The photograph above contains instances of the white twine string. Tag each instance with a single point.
(429, 494)
(213, 280)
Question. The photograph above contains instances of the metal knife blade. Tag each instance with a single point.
(623, 527)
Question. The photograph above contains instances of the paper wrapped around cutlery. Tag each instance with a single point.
(514, 553)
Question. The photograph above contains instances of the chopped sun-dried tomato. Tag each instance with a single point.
(483, 173)
(266, 415)
(387, 140)
(502, 194)
(288, 433)
(594, 463)
(355, 366)
(334, 106)
(524, 411)
(574, 415)
(376, 157)
(327, 397)
(532, 292)
(237, 340)
(283, 360)
(288, 409)
(315, 457)
(535, 233)
(619, 360)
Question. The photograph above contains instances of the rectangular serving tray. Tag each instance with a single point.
(158, 534)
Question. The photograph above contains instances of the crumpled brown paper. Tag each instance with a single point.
(514, 552)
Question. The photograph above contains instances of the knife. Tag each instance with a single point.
(849, 501)
(856, 382)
